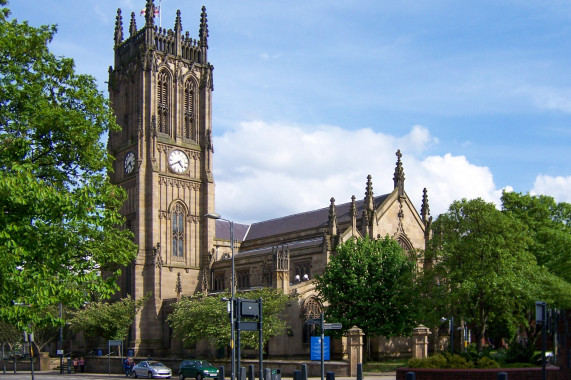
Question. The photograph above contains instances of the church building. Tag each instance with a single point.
(160, 88)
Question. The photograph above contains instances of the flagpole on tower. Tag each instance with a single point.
(160, 15)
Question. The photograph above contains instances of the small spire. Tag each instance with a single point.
(150, 13)
(399, 175)
(118, 28)
(353, 212)
(425, 213)
(133, 26)
(369, 206)
(177, 23)
(203, 31)
(332, 218)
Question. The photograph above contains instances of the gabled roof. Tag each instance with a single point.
(292, 223)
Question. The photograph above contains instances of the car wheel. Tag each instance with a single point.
(181, 376)
(199, 376)
(150, 375)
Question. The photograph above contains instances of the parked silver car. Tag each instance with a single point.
(152, 369)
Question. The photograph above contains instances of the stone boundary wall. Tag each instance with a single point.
(552, 373)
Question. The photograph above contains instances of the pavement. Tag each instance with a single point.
(55, 375)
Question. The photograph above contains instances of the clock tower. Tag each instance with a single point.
(161, 89)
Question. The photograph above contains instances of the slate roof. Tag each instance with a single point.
(292, 223)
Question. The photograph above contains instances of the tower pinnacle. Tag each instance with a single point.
(399, 175)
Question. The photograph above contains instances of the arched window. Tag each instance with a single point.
(178, 224)
(311, 310)
(189, 124)
(163, 102)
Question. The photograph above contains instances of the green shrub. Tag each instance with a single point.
(486, 362)
(518, 353)
(434, 361)
(458, 362)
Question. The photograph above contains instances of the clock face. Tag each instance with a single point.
(129, 163)
(178, 161)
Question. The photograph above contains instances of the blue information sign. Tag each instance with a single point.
(316, 348)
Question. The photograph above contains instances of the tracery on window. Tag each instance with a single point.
(218, 282)
(163, 102)
(243, 278)
(302, 270)
(189, 115)
(311, 310)
(178, 224)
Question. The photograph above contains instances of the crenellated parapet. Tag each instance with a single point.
(169, 42)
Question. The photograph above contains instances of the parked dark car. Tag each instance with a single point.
(151, 369)
(197, 369)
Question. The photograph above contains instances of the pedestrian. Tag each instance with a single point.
(82, 364)
(128, 366)
(75, 364)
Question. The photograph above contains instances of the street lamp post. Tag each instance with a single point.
(233, 293)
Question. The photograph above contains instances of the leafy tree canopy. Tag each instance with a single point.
(107, 320)
(58, 210)
(370, 284)
(484, 269)
(549, 225)
(206, 318)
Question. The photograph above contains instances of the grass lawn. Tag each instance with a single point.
(387, 365)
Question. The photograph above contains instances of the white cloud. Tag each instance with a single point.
(267, 170)
(558, 187)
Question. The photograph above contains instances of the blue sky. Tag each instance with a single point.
(311, 96)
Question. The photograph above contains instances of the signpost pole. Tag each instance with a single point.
(321, 324)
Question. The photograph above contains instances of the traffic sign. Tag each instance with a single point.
(314, 321)
(332, 326)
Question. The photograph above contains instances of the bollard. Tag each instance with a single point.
(251, 372)
(296, 375)
(267, 374)
(410, 376)
(359, 371)
(502, 376)
(221, 373)
(330, 376)
(242, 373)
(304, 372)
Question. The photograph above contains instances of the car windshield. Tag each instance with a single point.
(156, 364)
(203, 363)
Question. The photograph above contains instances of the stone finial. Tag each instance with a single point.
(369, 206)
(203, 31)
(177, 23)
(332, 218)
(133, 25)
(150, 13)
(118, 28)
(425, 209)
(353, 214)
(398, 178)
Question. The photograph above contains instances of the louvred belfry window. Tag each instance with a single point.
(163, 103)
(189, 123)
(177, 219)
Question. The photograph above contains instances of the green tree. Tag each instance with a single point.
(482, 266)
(107, 320)
(58, 211)
(206, 318)
(549, 225)
(370, 284)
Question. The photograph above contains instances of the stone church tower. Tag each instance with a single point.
(161, 89)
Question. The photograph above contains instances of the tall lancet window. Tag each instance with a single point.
(178, 223)
(163, 102)
(189, 129)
